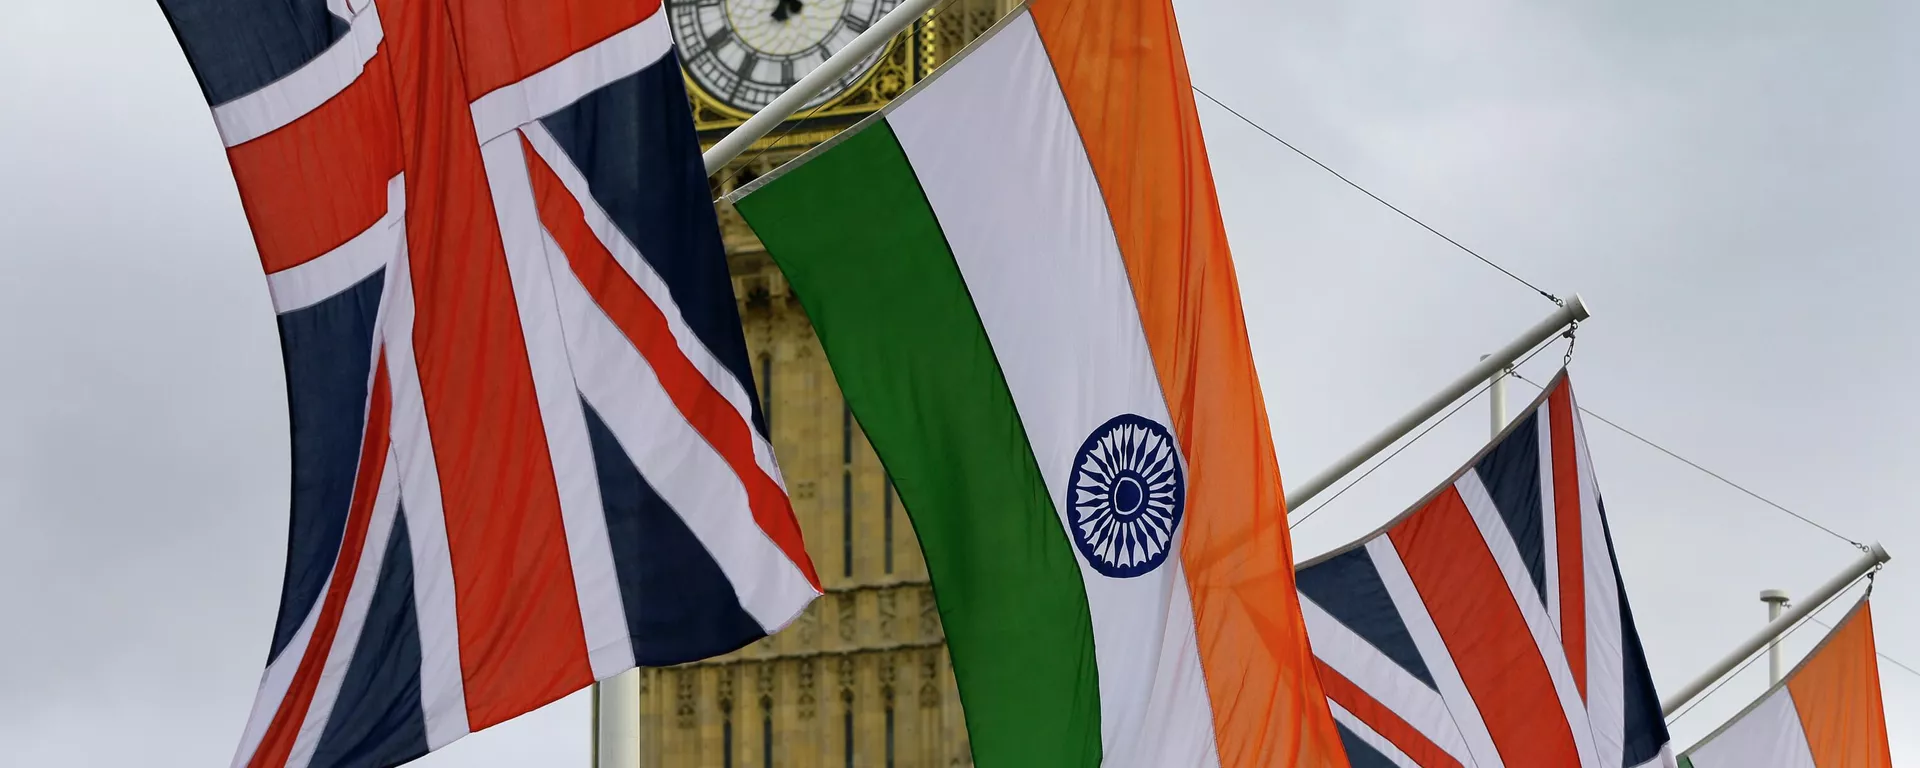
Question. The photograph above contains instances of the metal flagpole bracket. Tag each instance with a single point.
(1870, 561)
(840, 63)
(1573, 311)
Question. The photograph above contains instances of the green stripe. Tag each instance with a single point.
(858, 241)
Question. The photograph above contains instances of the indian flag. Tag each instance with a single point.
(1021, 280)
(1826, 713)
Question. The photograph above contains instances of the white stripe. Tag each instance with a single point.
(443, 697)
(275, 682)
(1002, 165)
(1182, 682)
(1499, 541)
(596, 585)
(353, 618)
(642, 273)
(690, 476)
(1371, 737)
(1768, 736)
(1383, 679)
(1549, 525)
(554, 88)
(309, 283)
(1606, 672)
(303, 90)
(1433, 650)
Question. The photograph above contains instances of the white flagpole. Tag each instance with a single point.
(1776, 600)
(837, 65)
(616, 721)
(1547, 328)
(1497, 399)
(1869, 560)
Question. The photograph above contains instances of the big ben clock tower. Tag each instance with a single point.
(862, 678)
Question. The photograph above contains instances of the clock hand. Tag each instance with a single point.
(785, 9)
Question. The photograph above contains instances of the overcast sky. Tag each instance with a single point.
(1730, 185)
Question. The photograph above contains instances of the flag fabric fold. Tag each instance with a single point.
(1488, 625)
(1826, 713)
(526, 452)
(1021, 281)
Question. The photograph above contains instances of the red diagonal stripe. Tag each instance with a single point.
(1383, 721)
(507, 40)
(1567, 516)
(642, 322)
(521, 641)
(322, 179)
(278, 741)
(1482, 626)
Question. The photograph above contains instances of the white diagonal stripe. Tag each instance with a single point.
(1371, 737)
(353, 618)
(552, 89)
(1549, 524)
(673, 457)
(283, 101)
(1606, 672)
(642, 273)
(596, 584)
(443, 696)
(1383, 679)
(1506, 554)
(275, 682)
(1433, 651)
(314, 281)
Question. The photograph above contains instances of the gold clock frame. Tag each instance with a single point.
(906, 60)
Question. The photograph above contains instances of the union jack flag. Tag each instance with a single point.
(526, 451)
(1488, 626)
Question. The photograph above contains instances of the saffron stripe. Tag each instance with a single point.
(505, 531)
(1568, 526)
(1123, 72)
(641, 321)
(1382, 720)
(280, 736)
(1467, 596)
(1836, 693)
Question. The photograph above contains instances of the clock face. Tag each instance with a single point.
(746, 52)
